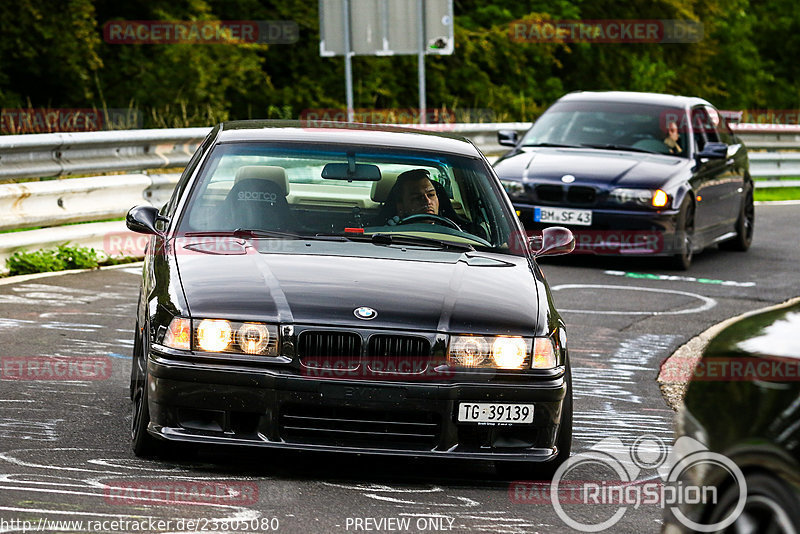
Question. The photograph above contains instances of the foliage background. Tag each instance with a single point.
(52, 55)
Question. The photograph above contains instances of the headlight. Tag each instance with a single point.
(651, 198)
(214, 335)
(501, 352)
(219, 335)
(512, 187)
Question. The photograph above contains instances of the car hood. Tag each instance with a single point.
(612, 167)
(313, 283)
(769, 333)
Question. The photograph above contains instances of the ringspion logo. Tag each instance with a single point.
(628, 483)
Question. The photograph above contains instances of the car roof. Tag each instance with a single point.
(346, 134)
(631, 97)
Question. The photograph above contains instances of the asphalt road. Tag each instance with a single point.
(64, 453)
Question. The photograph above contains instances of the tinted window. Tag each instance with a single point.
(637, 126)
(280, 188)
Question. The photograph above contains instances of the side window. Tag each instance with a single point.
(714, 123)
(724, 130)
(704, 127)
(169, 207)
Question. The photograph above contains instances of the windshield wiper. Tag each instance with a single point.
(405, 239)
(605, 146)
(251, 233)
(396, 239)
(554, 145)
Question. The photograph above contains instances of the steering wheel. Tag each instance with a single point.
(431, 217)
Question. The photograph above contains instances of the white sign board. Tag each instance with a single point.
(386, 27)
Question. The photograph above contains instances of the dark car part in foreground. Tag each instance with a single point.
(743, 403)
(601, 163)
(280, 308)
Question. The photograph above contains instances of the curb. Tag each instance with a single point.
(25, 277)
(688, 354)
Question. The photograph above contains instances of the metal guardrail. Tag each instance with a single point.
(63, 154)
(774, 153)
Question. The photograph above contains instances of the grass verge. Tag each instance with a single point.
(776, 193)
(61, 258)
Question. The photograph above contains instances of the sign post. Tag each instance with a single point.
(385, 28)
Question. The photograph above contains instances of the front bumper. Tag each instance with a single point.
(224, 404)
(618, 232)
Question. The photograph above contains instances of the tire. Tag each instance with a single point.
(771, 506)
(685, 228)
(142, 443)
(545, 470)
(744, 226)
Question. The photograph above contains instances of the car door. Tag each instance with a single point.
(710, 177)
(736, 169)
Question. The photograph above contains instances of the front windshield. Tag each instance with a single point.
(613, 125)
(285, 191)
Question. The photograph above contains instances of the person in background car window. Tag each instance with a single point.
(672, 139)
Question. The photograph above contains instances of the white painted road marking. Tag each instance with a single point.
(708, 302)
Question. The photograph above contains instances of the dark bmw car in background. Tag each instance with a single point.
(743, 402)
(282, 306)
(633, 173)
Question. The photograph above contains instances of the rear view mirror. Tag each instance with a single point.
(714, 151)
(507, 137)
(554, 241)
(360, 172)
(143, 219)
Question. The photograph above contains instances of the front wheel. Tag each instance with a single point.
(744, 226)
(685, 232)
(142, 443)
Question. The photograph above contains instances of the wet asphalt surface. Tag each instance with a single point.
(64, 452)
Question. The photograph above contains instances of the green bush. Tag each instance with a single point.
(47, 260)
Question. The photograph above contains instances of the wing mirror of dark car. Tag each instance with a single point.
(143, 219)
(554, 241)
(714, 150)
(507, 137)
(360, 172)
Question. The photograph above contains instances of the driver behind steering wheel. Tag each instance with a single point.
(415, 195)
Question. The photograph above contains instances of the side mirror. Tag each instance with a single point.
(143, 219)
(507, 137)
(714, 151)
(554, 241)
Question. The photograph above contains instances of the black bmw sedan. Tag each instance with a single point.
(348, 289)
(633, 173)
(743, 405)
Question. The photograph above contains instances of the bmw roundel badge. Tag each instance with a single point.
(365, 313)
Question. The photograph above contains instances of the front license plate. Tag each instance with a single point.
(562, 216)
(495, 412)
